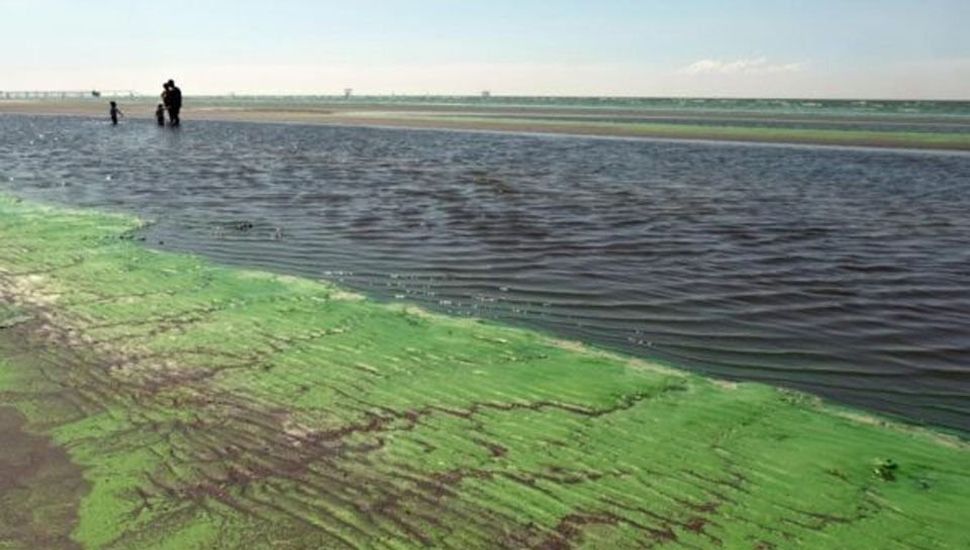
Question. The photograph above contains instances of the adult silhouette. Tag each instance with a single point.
(172, 99)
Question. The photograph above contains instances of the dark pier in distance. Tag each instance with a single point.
(64, 94)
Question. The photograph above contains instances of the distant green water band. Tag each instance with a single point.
(211, 407)
(916, 140)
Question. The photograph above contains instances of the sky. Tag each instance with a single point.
(902, 49)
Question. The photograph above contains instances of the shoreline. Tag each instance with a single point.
(269, 408)
(668, 126)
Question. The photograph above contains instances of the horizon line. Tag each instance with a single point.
(492, 95)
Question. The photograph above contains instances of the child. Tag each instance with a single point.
(160, 114)
(115, 113)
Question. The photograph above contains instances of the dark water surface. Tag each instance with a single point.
(838, 271)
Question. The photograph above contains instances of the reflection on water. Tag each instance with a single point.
(842, 272)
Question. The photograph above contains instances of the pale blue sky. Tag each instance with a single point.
(886, 48)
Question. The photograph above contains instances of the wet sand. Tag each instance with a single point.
(927, 132)
(40, 488)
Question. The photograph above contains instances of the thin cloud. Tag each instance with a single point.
(754, 65)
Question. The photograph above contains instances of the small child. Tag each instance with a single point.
(160, 114)
(115, 113)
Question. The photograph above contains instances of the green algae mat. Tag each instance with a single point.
(154, 400)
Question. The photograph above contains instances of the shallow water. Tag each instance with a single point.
(845, 272)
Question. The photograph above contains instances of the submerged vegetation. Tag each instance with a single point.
(205, 406)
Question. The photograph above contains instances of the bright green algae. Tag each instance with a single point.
(212, 407)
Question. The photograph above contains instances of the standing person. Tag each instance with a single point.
(115, 113)
(160, 114)
(175, 98)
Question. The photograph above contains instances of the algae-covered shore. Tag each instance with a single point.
(915, 132)
(207, 407)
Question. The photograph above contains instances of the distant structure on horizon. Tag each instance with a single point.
(486, 94)
(348, 92)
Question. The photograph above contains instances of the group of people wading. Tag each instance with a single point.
(171, 104)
